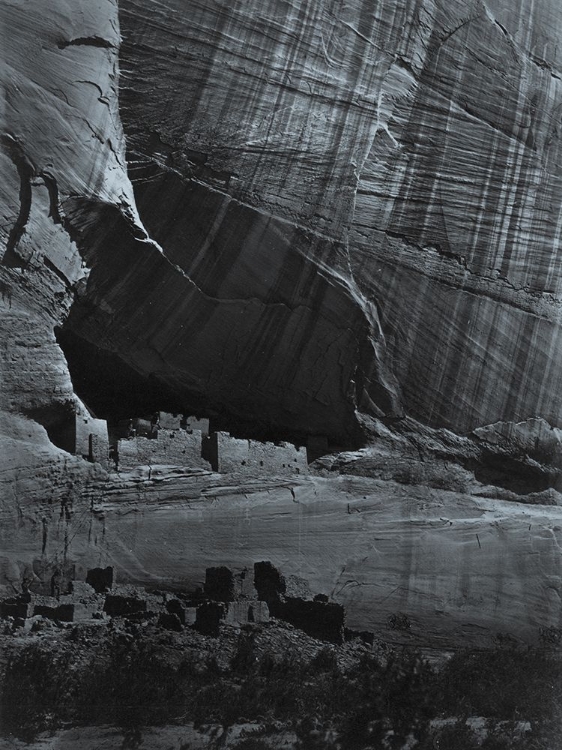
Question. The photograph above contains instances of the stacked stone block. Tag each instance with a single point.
(230, 455)
(170, 447)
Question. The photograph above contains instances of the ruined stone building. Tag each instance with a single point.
(169, 439)
(228, 455)
(169, 447)
(80, 433)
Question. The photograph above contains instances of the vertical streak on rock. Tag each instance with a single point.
(25, 172)
(60, 135)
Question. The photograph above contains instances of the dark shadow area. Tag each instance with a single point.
(519, 476)
(257, 358)
(110, 387)
(59, 419)
(100, 579)
(114, 391)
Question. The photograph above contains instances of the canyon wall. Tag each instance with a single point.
(61, 136)
(415, 565)
(347, 207)
(292, 215)
(365, 197)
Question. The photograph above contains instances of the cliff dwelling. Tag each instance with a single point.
(185, 441)
(281, 374)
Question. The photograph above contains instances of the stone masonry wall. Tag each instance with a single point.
(92, 440)
(232, 455)
(167, 421)
(171, 447)
(196, 423)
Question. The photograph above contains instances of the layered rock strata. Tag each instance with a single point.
(398, 160)
(348, 209)
(61, 136)
(413, 564)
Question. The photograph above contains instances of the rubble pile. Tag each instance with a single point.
(232, 598)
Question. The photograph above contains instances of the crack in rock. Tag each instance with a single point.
(86, 41)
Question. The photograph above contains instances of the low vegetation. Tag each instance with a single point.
(376, 700)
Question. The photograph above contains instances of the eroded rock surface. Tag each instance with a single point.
(61, 135)
(398, 161)
(326, 210)
(347, 207)
(414, 564)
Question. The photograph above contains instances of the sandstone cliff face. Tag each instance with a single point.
(347, 207)
(413, 564)
(324, 209)
(61, 136)
(361, 205)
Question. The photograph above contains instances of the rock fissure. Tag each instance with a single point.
(463, 263)
(26, 171)
(86, 41)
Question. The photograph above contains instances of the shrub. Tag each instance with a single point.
(388, 702)
(244, 660)
(37, 688)
(489, 683)
(130, 682)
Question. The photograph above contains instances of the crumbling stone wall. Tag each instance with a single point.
(44, 580)
(318, 618)
(209, 617)
(98, 450)
(230, 455)
(219, 584)
(167, 421)
(123, 606)
(61, 612)
(243, 612)
(81, 434)
(184, 441)
(268, 581)
(100, 579)
(171, 447)
(145, 427)
(196, 423)
(224, 585)
(235, 598)
(14, 607)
